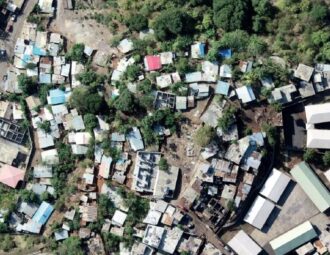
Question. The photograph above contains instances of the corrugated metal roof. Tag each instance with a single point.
(243, 244)
(259, 212)
(312, 185)
(293, 238)
(275, 185)
(222, 88)
(43, 213)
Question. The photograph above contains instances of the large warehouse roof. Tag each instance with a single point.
(275, 185)
(293, 238)
(318, 113)
(318, 138)
(312, 185)
(259, 212)
(243, 244)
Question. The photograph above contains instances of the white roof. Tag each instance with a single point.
(50, 157)
(82, 138)
(225, 71)
(125, 45)
(166, 58)
(153, 217)
(318, 138)
(259, 212)
(243, 244)
(153, 236)
(317, 113)
(170, 241)
(275, 185)
(246, 94)
(211, 69)
(164, 81)
(88, 50)
(119, 218)
(327, 174)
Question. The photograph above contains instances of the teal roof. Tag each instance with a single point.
(312, 185)
(222, 88)
(293, 238)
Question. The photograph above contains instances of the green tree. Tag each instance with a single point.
(256, 46)
(132, 72)
(125, 101)
(90, 121)
(137, 22)
(163, 165)
(70, 246)
(171, 23)
(326, 158)
(204, 136)
(271, 133)
(230, 14)
(310, 155)
(27, 84)
(31, 66)
(106, 207)
(86, 101)
(319, 12)
(45, 126)
(227, 119)
(183, 66)
(76, 53)
(237, 40)
(91, 78)
(28, 196)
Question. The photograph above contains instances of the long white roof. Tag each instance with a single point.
(318, 138)
(318, 113)
(275, 185)
(259, 212)
(243, 244)
(293, 238)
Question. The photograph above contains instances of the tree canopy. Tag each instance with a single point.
(85, 100)
(230, 15)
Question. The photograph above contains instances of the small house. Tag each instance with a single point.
(152, 63)
(198, 50)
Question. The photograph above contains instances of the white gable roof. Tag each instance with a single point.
(259, 212)
(243, 244)
(317, 113)
(275, 185)
(318, 138)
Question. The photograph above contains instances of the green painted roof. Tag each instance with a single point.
(312, 185)
(293, 238)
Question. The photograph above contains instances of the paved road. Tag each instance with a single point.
(9, 43)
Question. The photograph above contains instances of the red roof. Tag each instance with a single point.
(10, 175)
(152, 63)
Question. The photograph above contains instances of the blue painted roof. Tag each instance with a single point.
(202, 49)
(56, 96)
(38, 51)
(43, 213)
(222, 88)
(225, 53)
